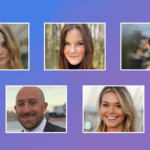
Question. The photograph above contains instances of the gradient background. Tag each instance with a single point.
(110, 11)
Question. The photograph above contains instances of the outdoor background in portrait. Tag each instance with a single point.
(111, 12)
(131, 36)
(52, 44)
(91, 117)
(21, 32)
(55, 96)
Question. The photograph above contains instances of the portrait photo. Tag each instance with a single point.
(113, 109)
(74, 46)
(36, 109)
(14, 46)
(135, 46)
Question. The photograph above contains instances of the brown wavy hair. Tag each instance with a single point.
(127, 105)
(88, 44)
(12, 46)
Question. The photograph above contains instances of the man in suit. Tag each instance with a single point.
(30, 107)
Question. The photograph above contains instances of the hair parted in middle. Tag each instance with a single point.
(127, 106)
(12, 46)
(88, 44)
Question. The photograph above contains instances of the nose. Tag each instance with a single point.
(73, 49)
(111, 110)
(26, 108)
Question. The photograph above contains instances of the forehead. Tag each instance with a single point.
(28, 93)
(110, 97)
(73, 34)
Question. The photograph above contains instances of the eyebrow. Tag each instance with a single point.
(108, 102)
(19, 100)
(80, 41)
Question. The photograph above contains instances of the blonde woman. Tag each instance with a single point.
(9, 49)
(117, 111)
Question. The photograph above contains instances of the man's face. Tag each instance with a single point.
(30, 107)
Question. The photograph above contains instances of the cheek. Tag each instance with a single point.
(66, 50)
(102, 111)
(18, 111)
(121, 113)
(82, 50)
(7, 52)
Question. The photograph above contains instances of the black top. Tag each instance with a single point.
(53, 128)
(74, 66)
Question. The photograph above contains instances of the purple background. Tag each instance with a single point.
(113, 12)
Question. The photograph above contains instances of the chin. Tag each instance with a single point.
(74, 63)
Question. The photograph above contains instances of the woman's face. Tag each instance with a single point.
(74, 47)
(111, 111)
(4, 53)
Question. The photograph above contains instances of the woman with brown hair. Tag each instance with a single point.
(76, 47)
(116, 110)
(9, 49)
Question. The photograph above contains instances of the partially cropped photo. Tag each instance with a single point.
(135, 46)
(14, 46)
(36, 109)
(74, 46)
(113, 109)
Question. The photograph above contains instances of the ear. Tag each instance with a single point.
(45, 106)
(15, 108)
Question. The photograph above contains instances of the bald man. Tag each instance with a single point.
(30, 107)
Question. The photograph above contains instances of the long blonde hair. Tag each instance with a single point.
(12, 46)
(127, 106)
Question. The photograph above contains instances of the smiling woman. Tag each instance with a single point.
(76, 47)
(9, 49)
(117, 110)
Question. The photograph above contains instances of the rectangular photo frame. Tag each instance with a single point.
(108, 109)
(54, 56)
(135, 46)
(16, 37)
(23, 103)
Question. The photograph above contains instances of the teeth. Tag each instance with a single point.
(112, 117)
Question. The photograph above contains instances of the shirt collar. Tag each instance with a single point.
(40, 128)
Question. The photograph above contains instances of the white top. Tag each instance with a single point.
(40, 128)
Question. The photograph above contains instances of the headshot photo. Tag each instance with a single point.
(113, 109)
(36, 109)
(135, 46)
(14, 48)
(74, 46)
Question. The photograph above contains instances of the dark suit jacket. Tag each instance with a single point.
(52, 128)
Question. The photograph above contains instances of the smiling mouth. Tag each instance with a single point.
(111, 118)
(28, 116)
(1, 58)
(73, 57)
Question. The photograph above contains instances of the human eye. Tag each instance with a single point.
(80, 43)
(118, 106)
(32, 103)
(105, 105)
(66, 43)
(4, 44)
(20, 104)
